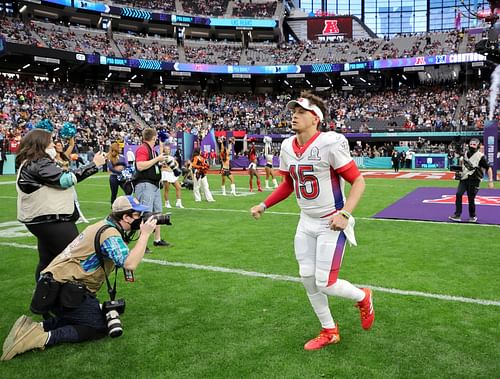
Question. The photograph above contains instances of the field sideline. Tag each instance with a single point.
(224, 301)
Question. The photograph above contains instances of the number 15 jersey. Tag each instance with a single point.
(318, 169)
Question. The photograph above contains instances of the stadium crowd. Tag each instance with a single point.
(253, 10)
(206, 8)
(103, 113)
(142, 48)
(83, 39)
(157, 5)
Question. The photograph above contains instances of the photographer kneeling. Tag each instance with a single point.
(68, 285)
(470, 173)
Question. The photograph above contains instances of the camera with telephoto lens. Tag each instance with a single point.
(172, 163)
(457, 170)
(160, 219)
(112, 311)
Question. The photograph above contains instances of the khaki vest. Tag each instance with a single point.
(66, 266)
(43, 202)
(474, 162)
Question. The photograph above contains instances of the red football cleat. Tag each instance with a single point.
(366, 311)
(326, 337)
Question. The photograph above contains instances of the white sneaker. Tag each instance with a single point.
(167, 205)
(179, 205)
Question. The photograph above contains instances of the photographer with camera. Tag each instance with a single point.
(68, 285)
(147, 181)
(470, 173)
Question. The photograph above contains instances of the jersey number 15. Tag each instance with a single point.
(306, 183)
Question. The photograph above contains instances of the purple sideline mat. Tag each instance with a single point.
(436, 204)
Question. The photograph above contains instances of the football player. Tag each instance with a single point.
(315, 166)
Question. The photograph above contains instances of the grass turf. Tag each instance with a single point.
(184, 322)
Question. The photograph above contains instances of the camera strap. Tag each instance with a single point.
(98, 252)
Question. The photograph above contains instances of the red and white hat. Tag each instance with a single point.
(306, 104)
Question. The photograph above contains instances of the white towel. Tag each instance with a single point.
(349, 232)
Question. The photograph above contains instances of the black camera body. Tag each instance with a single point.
(112, 311)
(457, 169)
(160, 219)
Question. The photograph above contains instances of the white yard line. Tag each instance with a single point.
(286, 278)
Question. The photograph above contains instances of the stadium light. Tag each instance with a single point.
(23, 8)
(56, 69)
(133, 77)
(109, 75)
(345, 81)
(363, 80)
(404, 77)
(26, 66)
(286, 82)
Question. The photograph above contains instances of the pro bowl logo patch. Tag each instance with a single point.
(314, 154)
(450, 199)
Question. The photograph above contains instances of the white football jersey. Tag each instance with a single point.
(319, 189)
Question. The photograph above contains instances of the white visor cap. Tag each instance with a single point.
(304, 103)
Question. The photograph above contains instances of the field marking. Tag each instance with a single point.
(298, 214)
(286, 278)
(357, 218)
(297, 279)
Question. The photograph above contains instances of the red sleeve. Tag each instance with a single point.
(281, 193)
(349, 172)
(142, 154)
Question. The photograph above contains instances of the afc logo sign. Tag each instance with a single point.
(480, 200)
(331, 27)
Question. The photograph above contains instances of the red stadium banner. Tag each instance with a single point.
(239, 133)
(324, 28)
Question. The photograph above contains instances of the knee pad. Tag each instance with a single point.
(309, 283)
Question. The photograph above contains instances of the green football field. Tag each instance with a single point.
(225, 301)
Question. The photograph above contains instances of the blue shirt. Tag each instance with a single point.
(114, 248)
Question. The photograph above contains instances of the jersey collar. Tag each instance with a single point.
(299, 150)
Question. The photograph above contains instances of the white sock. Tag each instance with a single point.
(233, 189)
(267, 183)
(223, 190)
(275, 183)
(342, 288)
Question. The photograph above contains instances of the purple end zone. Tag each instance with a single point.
(436, 204)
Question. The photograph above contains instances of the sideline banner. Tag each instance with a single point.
(490, 141)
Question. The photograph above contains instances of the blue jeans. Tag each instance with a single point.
(150, 195)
